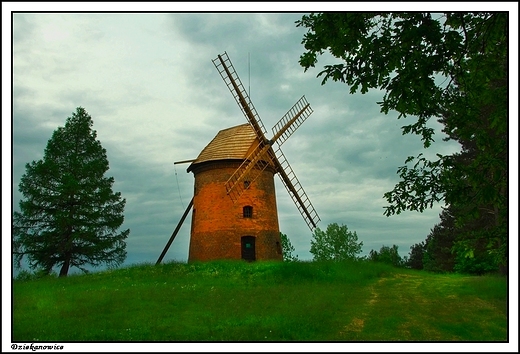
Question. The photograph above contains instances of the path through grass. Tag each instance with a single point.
(416, 306)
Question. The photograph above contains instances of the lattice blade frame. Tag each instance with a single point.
(249, 171)
(281, 131)
(295, 189)
(229, 75)
(291, 121)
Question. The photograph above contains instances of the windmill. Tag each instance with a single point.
(234, 203)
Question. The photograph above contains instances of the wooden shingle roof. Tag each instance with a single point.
(231, 143)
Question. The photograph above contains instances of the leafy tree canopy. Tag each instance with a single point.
(388, 255)
(451, 67)
(337, 243)
(69, 216)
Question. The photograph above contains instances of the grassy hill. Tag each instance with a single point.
(261, 301)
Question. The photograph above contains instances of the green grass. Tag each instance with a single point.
(261, 301)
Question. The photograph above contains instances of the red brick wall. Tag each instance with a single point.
(218, 223)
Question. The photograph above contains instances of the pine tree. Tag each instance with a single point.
(69, 216)
(287, 249)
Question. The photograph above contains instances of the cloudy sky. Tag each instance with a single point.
(155, 98)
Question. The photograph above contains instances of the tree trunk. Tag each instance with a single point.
(503, 265)
(65, 267)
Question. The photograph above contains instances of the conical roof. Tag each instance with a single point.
(230, 143)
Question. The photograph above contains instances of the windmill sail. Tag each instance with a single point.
(291, 120)
(296, 191)
(230, 77)
(263, 154)
(248, 171)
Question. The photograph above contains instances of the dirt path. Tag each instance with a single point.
(406, 307)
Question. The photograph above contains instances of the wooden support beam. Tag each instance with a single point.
(172, 237)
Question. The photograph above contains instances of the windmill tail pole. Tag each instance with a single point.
(172, 237)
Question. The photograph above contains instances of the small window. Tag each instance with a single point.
(247, 184)
(248, 211)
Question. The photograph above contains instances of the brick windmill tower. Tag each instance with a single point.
(234, 203)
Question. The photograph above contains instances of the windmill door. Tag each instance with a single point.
(248, 248)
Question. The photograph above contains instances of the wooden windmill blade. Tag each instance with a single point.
(295, 189)
(282, 131)
(235, 185)
(263, 154)
(248, 171)
(291, 121)
(230, 77)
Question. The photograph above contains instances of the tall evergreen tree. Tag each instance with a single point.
(438, 246)
(416, 256)
(287, 249)
(461, 247)
(69, 216)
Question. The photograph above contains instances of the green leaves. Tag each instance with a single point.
(450, 67)
(420, 186)
(388, 255)
(287, 249)
(336, 243)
